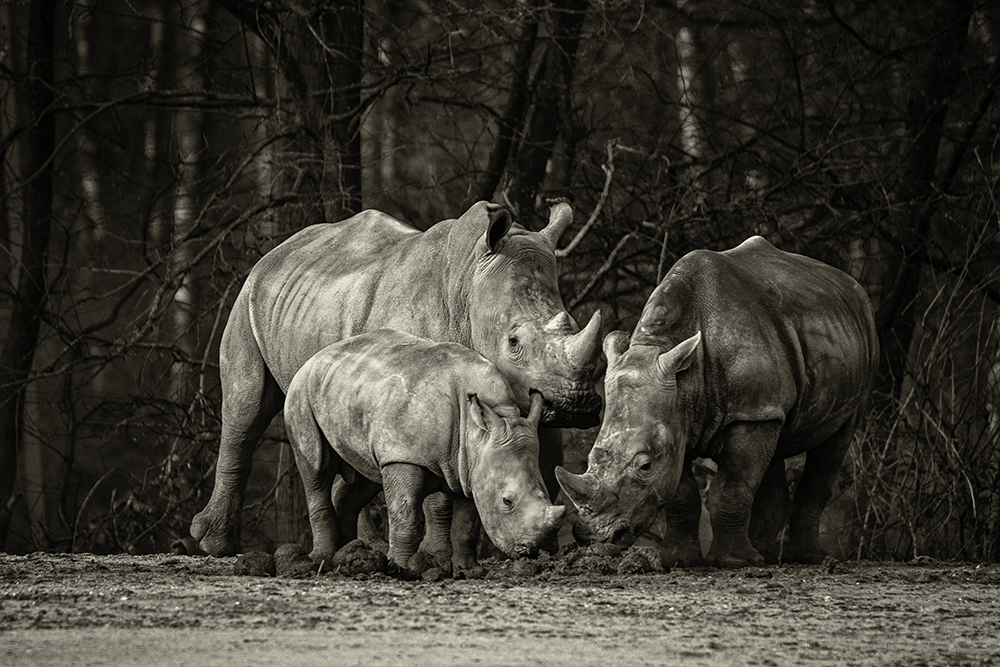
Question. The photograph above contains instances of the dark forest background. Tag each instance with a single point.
(152, 151)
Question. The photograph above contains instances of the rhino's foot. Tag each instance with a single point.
(805, 558)
(681, 552)
(217, 535)
(735, 559)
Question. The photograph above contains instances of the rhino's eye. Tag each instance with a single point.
(507, 502)
(512, 341)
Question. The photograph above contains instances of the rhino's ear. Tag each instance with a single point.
(476, 412)
(680, 358)
(498, 226)
(615, 344)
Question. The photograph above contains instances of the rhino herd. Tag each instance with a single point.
(422, 364)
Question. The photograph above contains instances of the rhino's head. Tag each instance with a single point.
(506, 483)
(636, 461)
(518, 320)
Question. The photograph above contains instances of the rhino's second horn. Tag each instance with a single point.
(580, 489)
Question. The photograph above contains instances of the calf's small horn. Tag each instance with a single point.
(554, 515)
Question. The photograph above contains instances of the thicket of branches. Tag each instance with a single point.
(152, 152)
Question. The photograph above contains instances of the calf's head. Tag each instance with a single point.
(506, 483)
(518, 320)
(635, 464)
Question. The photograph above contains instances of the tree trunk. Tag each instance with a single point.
(512, 117)
(189, 133)
(25, 296)
(928, 107)
(551, 101)
(343, 30)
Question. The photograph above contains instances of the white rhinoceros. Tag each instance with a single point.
(480, 280)
(747, 357)
(388, 409)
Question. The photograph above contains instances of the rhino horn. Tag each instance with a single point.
(561, 321)
(535, 411)
(554, 515)
(580, 489)
(580, 348)
(560, 217)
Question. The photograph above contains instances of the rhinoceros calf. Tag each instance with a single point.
(746, 357)
(480, 281)
(388, 409)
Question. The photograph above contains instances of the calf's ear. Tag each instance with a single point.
(476, 412)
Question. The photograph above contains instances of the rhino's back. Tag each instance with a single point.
(334, 280)
(784, 334)
(388, 396)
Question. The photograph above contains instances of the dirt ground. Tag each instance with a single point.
(58, 609)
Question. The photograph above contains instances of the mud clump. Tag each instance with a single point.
(291, 561)
(356, 558)
(254, 564)
(571, 560)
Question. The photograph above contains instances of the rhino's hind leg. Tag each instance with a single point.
(812, 493)
(746, 453)
(250, 399)
(351, 496)
(681, 544)
(318, 464)
(771, 509)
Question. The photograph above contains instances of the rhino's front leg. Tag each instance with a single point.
(681, 545)
(403, 485)
(438, 518)
(745, 453)
(465, 529)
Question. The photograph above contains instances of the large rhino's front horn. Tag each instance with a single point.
(580, 489)
(581, 347)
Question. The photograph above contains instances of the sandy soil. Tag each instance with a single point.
(182, 610)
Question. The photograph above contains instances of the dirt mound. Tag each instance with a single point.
(357, 559)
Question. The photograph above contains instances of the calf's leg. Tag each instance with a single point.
(403, 485)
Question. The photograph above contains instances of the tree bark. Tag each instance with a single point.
(24, 293)
(343, 30)
(551, 101)
(928, 106)
(513, 114)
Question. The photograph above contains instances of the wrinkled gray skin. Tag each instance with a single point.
(390, 409)
(746, 357)
(480, 281)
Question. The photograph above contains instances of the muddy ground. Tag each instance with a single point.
(58, 609)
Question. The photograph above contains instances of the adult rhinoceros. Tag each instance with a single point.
(481, 281)
(746, 357)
